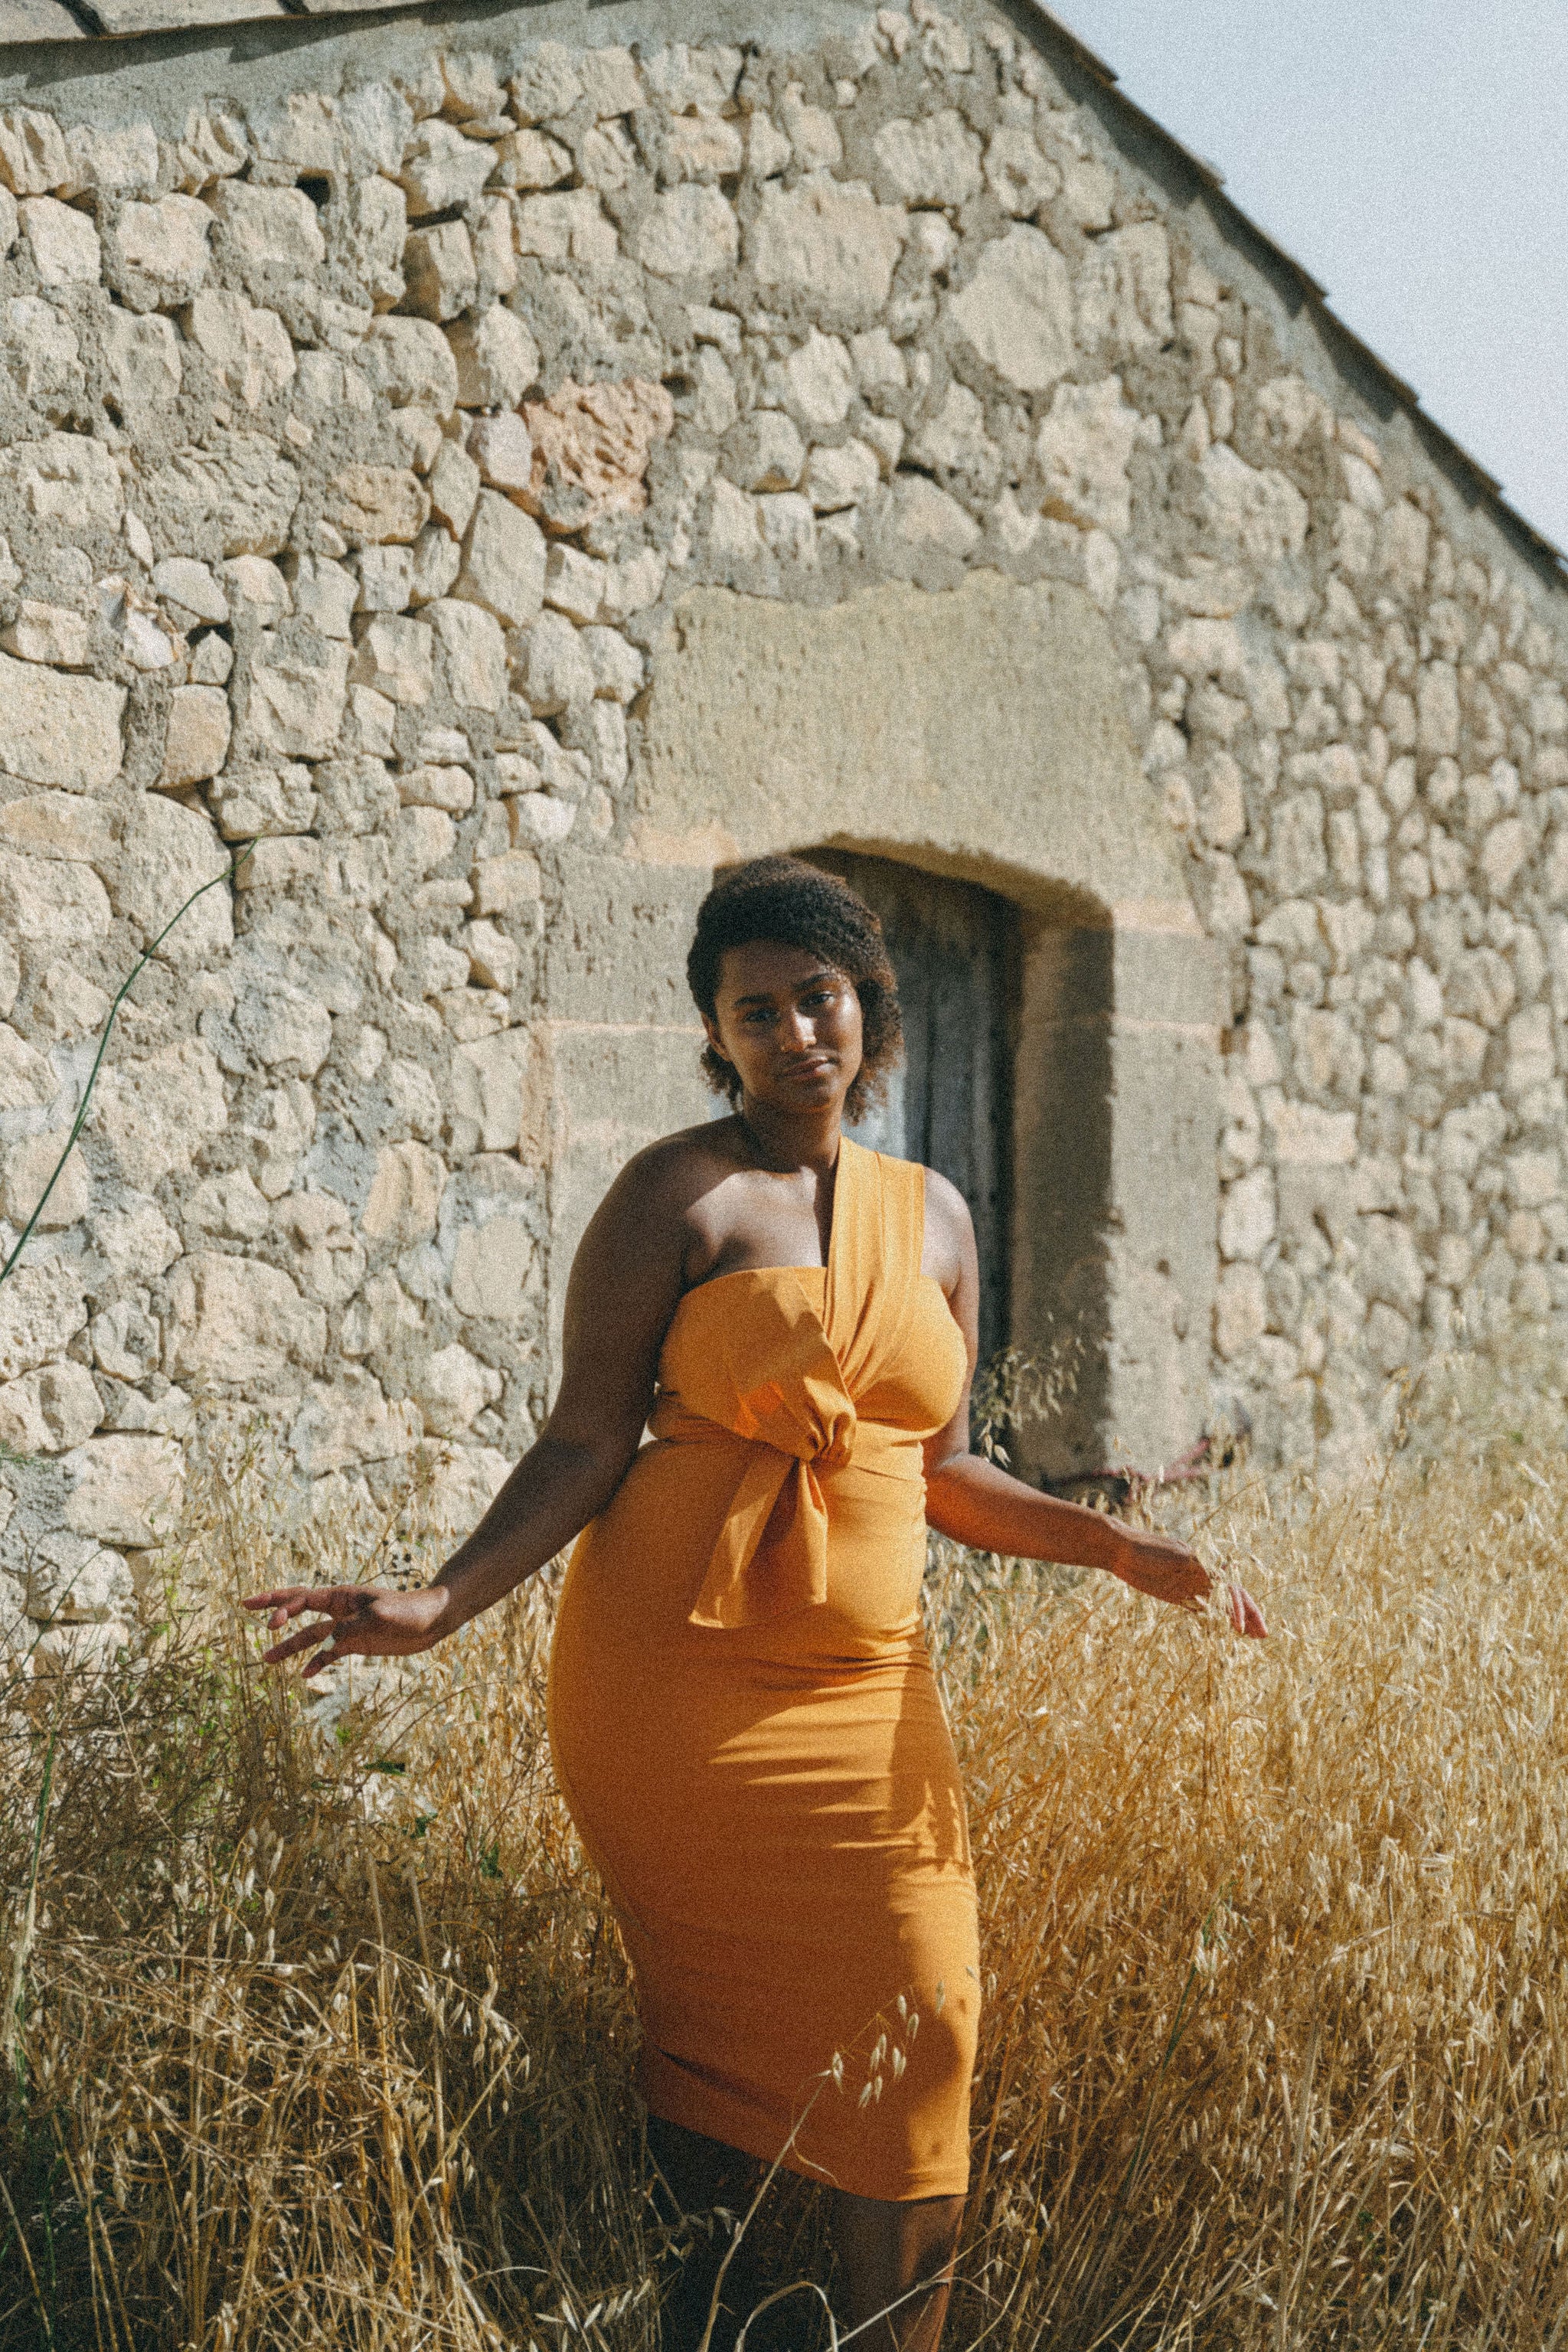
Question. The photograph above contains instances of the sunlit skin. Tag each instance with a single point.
(753, 1189)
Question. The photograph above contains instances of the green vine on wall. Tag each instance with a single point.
(137, 969)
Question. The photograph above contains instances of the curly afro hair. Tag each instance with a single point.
(791, 904)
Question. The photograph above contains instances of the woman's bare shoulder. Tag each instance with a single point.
(660, 1186)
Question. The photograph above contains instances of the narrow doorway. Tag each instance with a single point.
(955, 948)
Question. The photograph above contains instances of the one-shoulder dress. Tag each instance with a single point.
(747, 1729)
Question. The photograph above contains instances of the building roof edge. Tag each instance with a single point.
(1240, 227)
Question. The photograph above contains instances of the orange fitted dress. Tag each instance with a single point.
(746, 1726)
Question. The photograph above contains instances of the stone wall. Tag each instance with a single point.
(362, 433)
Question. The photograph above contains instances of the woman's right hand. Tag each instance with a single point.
(363, 1621)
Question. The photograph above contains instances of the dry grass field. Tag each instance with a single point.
(316, 2034)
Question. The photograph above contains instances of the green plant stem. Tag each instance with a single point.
(137, 969)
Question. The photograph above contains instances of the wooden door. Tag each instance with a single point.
(954, 949)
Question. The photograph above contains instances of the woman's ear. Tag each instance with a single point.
(714, 1040)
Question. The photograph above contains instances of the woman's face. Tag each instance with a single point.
(789, 1025)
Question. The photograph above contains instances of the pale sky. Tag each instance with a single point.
(1413, 155)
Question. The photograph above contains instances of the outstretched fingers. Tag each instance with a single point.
(337, 1604)
(1248, 1617)
(307, 1639)
(291, 1599)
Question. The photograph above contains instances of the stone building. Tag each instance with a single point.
(507, 462)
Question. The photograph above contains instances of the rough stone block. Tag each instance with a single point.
(191, 584)
(1260, 512)
(265, 235)
(396, 657)
(442, 170)
(827, 249)
(633, 583)
(454, 486)
(29, 1167)
(1016, 313)
(374, 504)
(297, 697)
(156, 256)
(236, 499)
(33, 158)
(123, 162)
(410, 360)
(156, 1114)
(238, 1323)
(437, 562)
(494, 1275)
(491, 1078)
(503, 562)
(439, 271)
(566, 229)
(531, 159)
(349, 1421)
(250, 802)
(49, 1412)
(196, 742)
(167, 852)
(453, 1389)
(842, 476)
(592, 446)
(688, 233)
(64, 242)
(573, 582)
(540, 819)
(40, 353)
(765, 452)
(496, 356)
(49, 908)
(547, 86)
(47, 633)
(42, 1308)
(552, 670)
(1083, 449)
(125, 1490)
(80, 1588)
(475, 652)
(1124, 289)
(386, 576)
(27, 1081)
(251, 352)
(924, 518)
(405, 1195)
(1018, 175)
(935, 161)
(257, 584)
(68, 480)
(502, 448)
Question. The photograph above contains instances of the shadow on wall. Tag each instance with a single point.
(1006, 1089)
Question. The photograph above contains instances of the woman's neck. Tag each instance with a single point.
(789, 1140)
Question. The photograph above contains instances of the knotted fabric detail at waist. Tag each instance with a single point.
(771, 1557)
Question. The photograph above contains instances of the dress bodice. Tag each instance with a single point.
(817, 1369)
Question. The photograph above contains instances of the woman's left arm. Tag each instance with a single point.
(980, 1504)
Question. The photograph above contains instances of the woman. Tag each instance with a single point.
(742, 1714)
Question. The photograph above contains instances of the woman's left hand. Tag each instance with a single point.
(1167, 1570)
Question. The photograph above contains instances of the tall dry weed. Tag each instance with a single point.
(319, 2034)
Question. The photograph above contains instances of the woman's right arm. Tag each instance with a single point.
(627, 1280)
